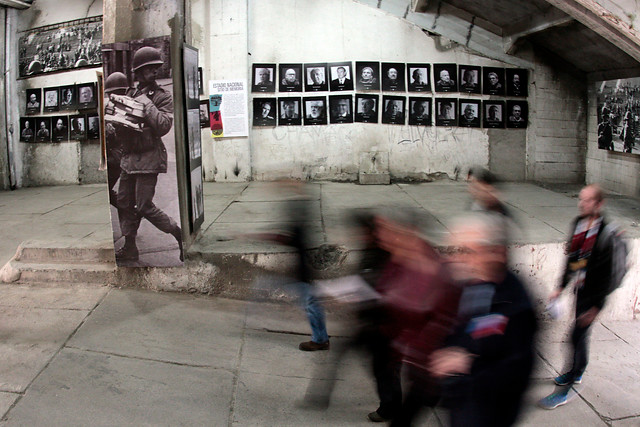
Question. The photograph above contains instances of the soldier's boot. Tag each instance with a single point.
(129, 252)
(177, 233)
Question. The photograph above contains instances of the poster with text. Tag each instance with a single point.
(233, 106)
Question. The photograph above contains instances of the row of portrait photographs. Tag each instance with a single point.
(70, 97)
(312, 110)
(79, 127)
(390, 76)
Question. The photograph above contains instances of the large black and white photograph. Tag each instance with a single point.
(290, 77)
(340, 109)
(341, 76)
(27, 129)
(393, 76)
(367, 75)
(93, 126)
(289, 111)
(393, 109)
(517, 82)
(190, 64)
(366, 108)
(78, 127)
(264, 112)
(315, 110)
(518, 114)
(493, 114)
(204, 113)
(60, 47)
(469, 77)
(43, 133)
(51, 99)
(197, 199)
(493, 81)
(68, 97)
(418, 77)
(419, 111)
(145, 214)
(87, 96)
(34, 101)
(194, 143)
(315, 77)
(469, 113)
(619, 115)
(446, 112)
(60, 128)
(263, 76)
(444, 76)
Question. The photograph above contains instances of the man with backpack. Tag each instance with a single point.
(595, 268)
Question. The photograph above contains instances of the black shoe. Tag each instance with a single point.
(313, 346)
(377, 418)
(177, 234)
(127, 253)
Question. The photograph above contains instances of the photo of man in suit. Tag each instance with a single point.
(341, 80)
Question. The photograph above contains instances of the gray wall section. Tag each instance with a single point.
(506, 153)
(89, 162)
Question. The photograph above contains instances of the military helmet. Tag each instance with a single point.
(115, 81)
(34, 67)
(82, 62)
(146, 56)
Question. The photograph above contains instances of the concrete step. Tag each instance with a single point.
(16, 271)
(33, 251)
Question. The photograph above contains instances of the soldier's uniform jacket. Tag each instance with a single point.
(146, 153)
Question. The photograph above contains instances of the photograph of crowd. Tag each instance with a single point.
(619, 115)
(68, 45)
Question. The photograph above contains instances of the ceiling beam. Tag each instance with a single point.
(531, 25)
(17, 4)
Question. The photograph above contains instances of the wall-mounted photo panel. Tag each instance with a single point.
(493, 114)
(493, 81)
(616, 116)
(518, 112)
(51, 99)
(87, 96)
(197, 198)
(517, 82)
(446, 112)
(393, 109)
(289, 111)
(367, 108)
(78, 127)
(43, 134)
(290, 77)
(444, 76)
(315, 77)
(27, 129)
(93, 126)
(393, 76)
(469, 77)
(340, 109)
(68, 97)
(469, 113)
(204, 114)
(341, 76)
(367, 75)
(34, 101)
(190, 77)
(200, 81)
(419, 111)
(418, 76)
(264, 76)
(194, 142)
(315, 110)
(60, 128)
(264, 111)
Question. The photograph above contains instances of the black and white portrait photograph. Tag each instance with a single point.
(93, 126)
(264, 111)
(27, 129)
(87, 96)
(393, 109)
(340, 109)
(290, 77)
(315, 77)
(493, 114)
(65, 46)
(315, 110)
(367, 108)
(43, 134)
(204, 114)
(78, 127)
(618, 111)
(444, 76)
(469, 113)
(419, 111)
(517, 82)
(51, 99)
(393, 76)
(264, 76)
(493, 81)
(341, 76)
(68, 97)
(60, 128)
(446, 112)
(469, 78)
(367, 75)
(518, 114)
(34, 101)
(146, 222)
(289, 111)
(418, 77)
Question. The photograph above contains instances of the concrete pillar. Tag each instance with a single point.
(9, 112)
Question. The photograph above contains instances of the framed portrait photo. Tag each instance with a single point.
(419, 77)
(367, 75)
(446, 111)
(290, 77)
(341, 76)
(420, 111)
(87, 96)
(289, 111)
(315, 77)
(315, 110)
(34, 101)
(93, 126)
(340, 109)
(43, 134)
(469, 113)
(393, 109)
(203, 109)
(366, 108)
(493, 81)
(264, 112)
(517, 114)
(78, 127)
(493, 114)
(60, 128)
(393, 76)
(444, 76)
(263, 76)
(51, 99)
(27, 129)
(68, 97)
(517, 81)
(469, 77)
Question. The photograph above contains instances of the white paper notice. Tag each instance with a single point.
(233, 109)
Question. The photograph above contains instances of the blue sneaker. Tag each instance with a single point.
(564, 379)
(553, 400)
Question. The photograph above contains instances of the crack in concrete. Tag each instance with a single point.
(236, 370)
